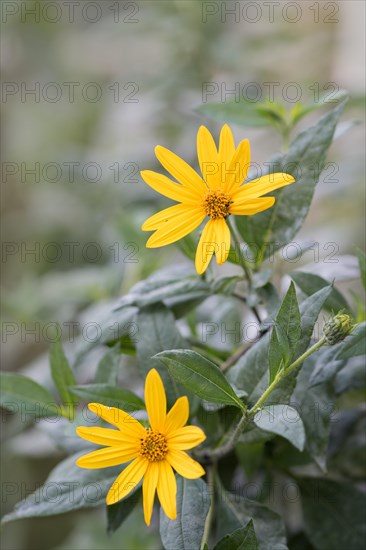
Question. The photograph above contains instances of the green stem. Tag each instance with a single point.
(243, 264)
(283, 373)
(238, 248)
(208, 523)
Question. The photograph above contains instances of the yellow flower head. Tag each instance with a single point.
(217, 194)
(154, 451)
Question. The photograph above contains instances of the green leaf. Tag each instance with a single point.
(362, 263)
(108, 367)
(354, 344)
(170, 286)
(241, 539)
(342, 512)
(23, 395)
(243, 113)
(200, 376)
(193, 503)
(118, 512)
(282, 420)
(270, 230)
(352, 376)
(234, 511)
(326, 365)
(310, 283)
(108, 395)
(157, 332)
(251, 373)
(62, 375)
(285, 333)
(225, 285)
(68, 487)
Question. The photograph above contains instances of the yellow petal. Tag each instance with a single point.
(180, 170)
(155, 400)
(169, 188)
(208, 158)
(206, 247)
(238, 168)
(127, 480)
(167, 489)
(148, 489)
(110, 456)
(263, 185)
(222, 237)
(104, 436)
(248, 207)
(185, 438)
(184, 464)
(166, 215)
(177, 228)
(178, 415)
(128, 425)
(227, 146)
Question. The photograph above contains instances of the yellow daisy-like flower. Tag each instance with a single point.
(217, 194)
(155, 451)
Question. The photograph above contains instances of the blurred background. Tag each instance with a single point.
(88, 90)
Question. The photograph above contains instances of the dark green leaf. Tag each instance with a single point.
(362, 263)
(272, 229)
(157, 332)
(310, 283)
(68, 487)
(334, 514)
(108, 395)
(285, 333)
(354, 344)
(316, 405)
(108, 367)
(352, 376)
(282, 420)
(326, 365)
(200, 376)
(193, 503)
(62, 374)
(234, 511)
(23, 395)
(241, 539)
(118, 512)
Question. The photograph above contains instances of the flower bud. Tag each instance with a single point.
(337, 328)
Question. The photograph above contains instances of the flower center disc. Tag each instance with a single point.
(154, 446)
(217, 204)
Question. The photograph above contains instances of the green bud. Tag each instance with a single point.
(337, 328)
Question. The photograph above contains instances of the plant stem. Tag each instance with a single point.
(243, 264)
(208, 523)
(283, 373)
(238, 248)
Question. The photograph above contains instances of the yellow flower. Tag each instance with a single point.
(217, 194)
(155, 451)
